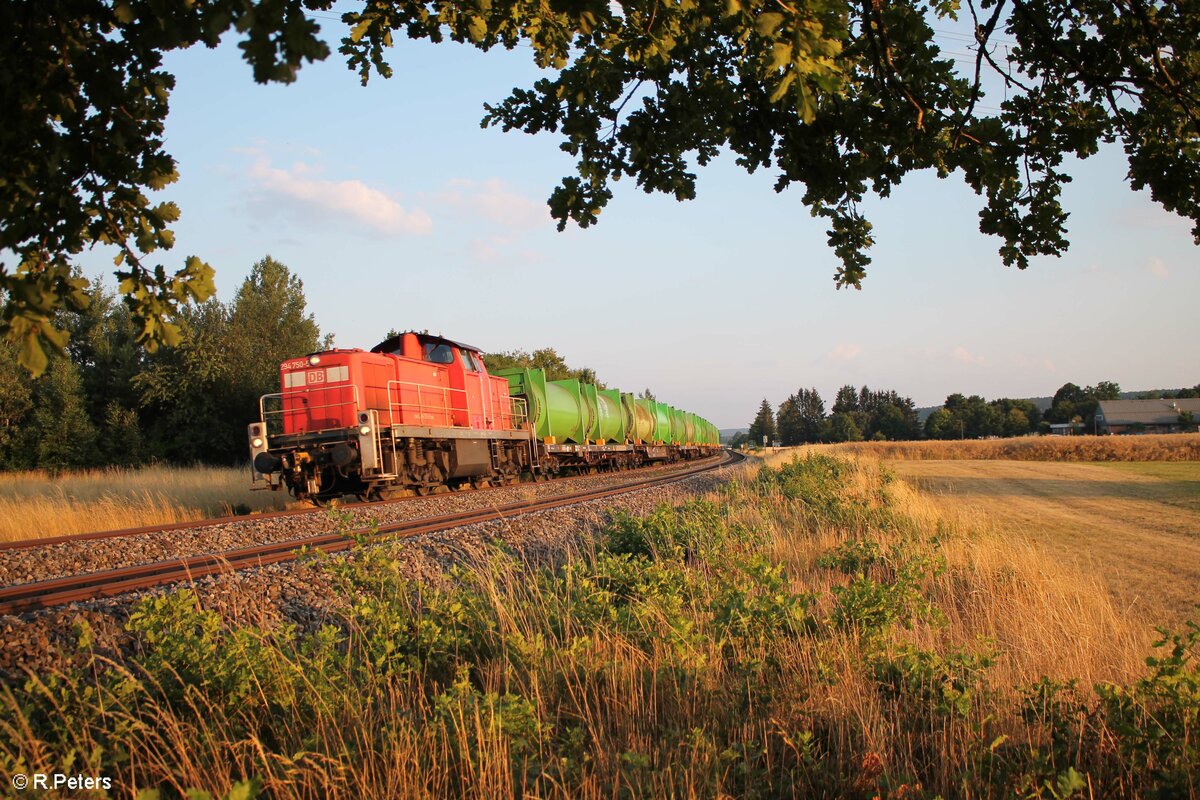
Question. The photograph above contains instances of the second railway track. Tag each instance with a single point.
(108, 583)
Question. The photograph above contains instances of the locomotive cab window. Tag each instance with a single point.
(469, 360)
(438, 353)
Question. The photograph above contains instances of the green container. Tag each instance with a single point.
(677, 426)
(662, 421)
(689, 427)
(587, 393)
(610, 419)
(556, 408)
(641, 418)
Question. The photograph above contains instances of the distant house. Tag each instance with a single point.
(1065, 428)
(1147, 416)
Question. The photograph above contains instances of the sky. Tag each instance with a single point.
(398, 211)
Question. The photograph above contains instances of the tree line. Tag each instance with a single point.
(106, 401)
(856, 414)
(862, 414)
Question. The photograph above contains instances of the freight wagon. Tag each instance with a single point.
(419, 413)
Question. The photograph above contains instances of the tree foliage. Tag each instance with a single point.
(801, 418)
(762, 429)
(1074, 404)
(546, 359)
(974, 417)
(843, 98)
(107, 401)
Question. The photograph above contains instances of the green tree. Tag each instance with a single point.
(16, 400)
(789, 423)
(941, 424)
(893, 423)
(104, 348)
(843, 428)
(121, 442)
(546, 359)
(1016, 423)
(800, 417)
(60, 433)
(187, 393)
(268, 324)
(763, 425)
(843, 98)
(812, 414)
(845, 401)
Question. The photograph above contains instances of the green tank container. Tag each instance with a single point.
(629, 415)
(610, 420)
(677, 426)
(641, 418)
(689, 427)
(556, 408)
(587, 393)
(662, 421)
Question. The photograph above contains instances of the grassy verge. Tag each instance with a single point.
(816, 630)
(1156, 447)
(36, 504)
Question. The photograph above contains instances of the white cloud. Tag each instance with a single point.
(301, 188)
(845, 352)
(964, 355)
(1157, 268)
(494, 201)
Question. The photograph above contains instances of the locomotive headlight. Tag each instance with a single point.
(364, 430)
(257, 442)
(314, 360)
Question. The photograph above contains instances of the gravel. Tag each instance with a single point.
(299, 592)
(41, 563)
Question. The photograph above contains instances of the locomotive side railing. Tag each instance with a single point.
(431, 406)
(273, 418)
(518, 413)
(426, 404)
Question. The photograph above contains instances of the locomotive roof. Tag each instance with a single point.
(392, 343)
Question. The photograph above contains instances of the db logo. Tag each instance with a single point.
(316, 376)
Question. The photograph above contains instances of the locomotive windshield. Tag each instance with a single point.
(469, 360)
(438, 353)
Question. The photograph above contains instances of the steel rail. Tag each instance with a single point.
(25, 544)
(108, 583)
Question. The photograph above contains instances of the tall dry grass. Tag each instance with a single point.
(718, 651)
(37, 504)
(1151, 447)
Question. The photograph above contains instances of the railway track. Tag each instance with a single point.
(113, 582)
(25, 544)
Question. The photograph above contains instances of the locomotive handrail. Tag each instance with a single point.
(308, 408)
(518, 411)
(424, 410)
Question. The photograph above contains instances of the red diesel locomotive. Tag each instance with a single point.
(420, 412)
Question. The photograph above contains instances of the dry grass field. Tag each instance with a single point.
(35, 504)
(1135, 525)
(1157, 447)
